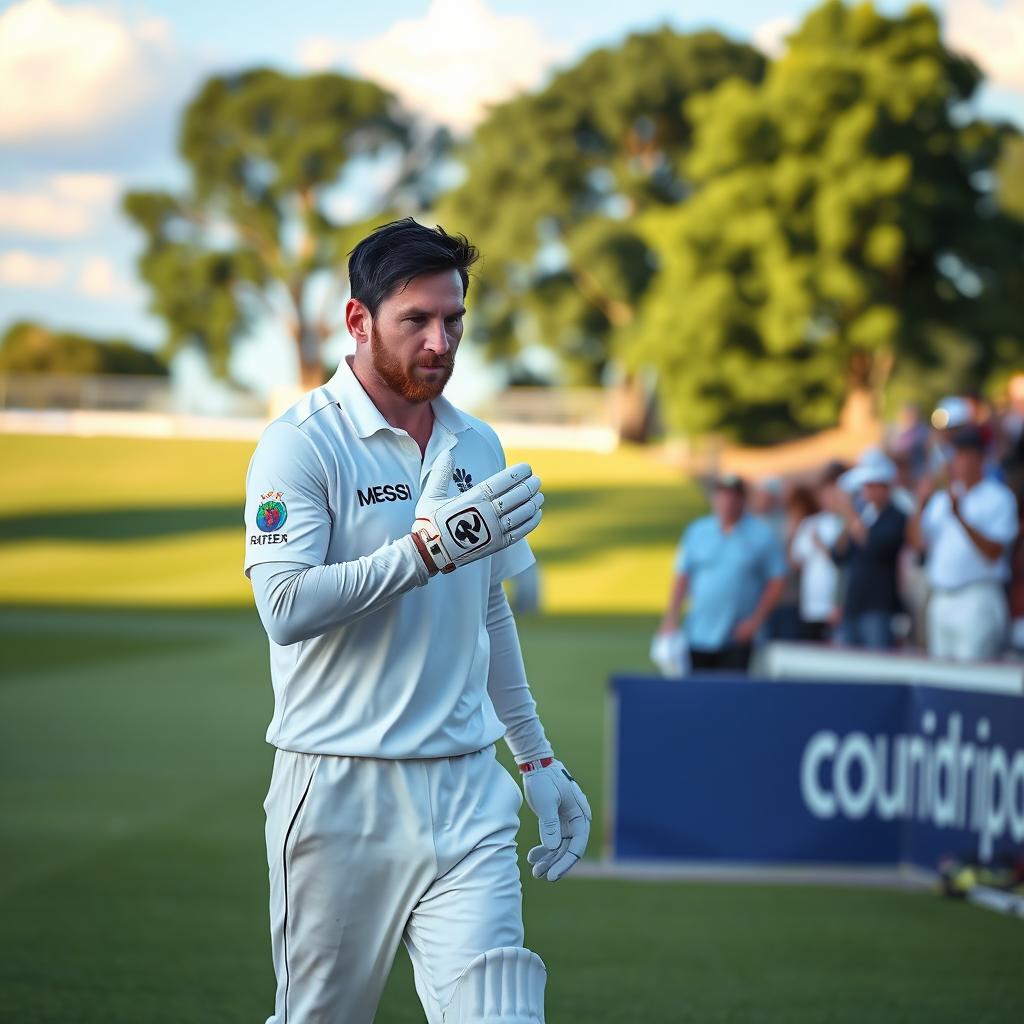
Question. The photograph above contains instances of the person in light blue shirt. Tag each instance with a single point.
(733, 568)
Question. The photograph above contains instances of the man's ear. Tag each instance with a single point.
(358, 321)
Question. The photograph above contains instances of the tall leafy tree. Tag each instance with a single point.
(555, 179)
(261, 231)
(842, 228)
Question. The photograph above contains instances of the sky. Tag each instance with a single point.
(90, 94)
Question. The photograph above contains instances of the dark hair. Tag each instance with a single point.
(730, 482)
(387, 260)
(802, 499)
(832, 472)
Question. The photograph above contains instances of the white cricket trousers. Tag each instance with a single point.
(364, 852)
(968, 624)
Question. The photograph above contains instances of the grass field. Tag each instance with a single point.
(134, 694)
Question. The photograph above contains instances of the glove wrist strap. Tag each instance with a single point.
(420, 543)
(431, 549)
(532, 766)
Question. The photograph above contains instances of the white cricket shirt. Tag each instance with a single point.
(331, 481)
(954, 560)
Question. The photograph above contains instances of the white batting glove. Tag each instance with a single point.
(450, 532)
(563, 815)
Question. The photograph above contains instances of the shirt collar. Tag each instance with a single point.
(345, 389)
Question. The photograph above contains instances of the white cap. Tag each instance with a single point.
(952, 412)
(875, 467)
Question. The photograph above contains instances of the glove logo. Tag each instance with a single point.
(463, 479)
(468, 529)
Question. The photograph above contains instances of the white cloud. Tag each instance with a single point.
(318, 53)
(990, 34)
(22, 269)
(770, 36)
(62, 206)
(449, 64)
(98, 279)
(66, 70)
(92, 189)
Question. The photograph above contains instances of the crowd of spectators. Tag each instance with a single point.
(918, 546)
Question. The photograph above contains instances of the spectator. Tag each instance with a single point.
(910, 441)
(1016, 588)
(733, 569)
(1013, 435)
(910, 575)
(768, 503)
(811, 553)
(868, 547)
(951, 415)
(966, 532)
(957, 413)
(899, 494)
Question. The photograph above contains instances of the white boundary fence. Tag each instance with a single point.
(576, 419)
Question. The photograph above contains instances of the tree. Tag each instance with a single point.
(260, 230)
(555, 179)
(29, 347)
(1010, 170)
(842, 228)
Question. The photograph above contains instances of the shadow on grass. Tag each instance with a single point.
(37, 638)
(41, 639)
(121, 523)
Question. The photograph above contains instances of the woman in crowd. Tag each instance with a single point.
(817, 529)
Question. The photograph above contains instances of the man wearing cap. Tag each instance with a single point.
(966, 532)
(868, 549)
(733, 568)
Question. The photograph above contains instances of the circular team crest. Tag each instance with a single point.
(270, 516)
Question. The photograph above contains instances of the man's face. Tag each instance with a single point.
(415, 334)
(727, 503)
(967, 464)
(876, 494)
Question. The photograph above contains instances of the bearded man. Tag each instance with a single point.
(380, 524)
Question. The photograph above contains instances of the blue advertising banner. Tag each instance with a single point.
(747, 770)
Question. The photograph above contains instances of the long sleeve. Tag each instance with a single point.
(507, 686)
(297, 602)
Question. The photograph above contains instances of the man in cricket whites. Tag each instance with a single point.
(380, 524)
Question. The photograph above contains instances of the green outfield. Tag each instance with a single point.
(134, 694)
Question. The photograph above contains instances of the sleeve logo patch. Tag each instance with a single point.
(272, 513)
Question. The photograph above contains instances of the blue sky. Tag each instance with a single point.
(90, 93)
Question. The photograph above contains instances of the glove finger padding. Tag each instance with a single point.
(505, 480)
(564, 817)
(543, 797)
(480, 522)
(540, 858)
(517, 495)
(576, 846)
(439, 481)
(528, 527)
(523, 514)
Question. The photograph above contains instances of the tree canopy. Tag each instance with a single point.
(261, 231)
(767, 237)
(843, 227)
(555, 179)
(28, 347)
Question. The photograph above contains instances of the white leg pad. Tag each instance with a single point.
(501, 986)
